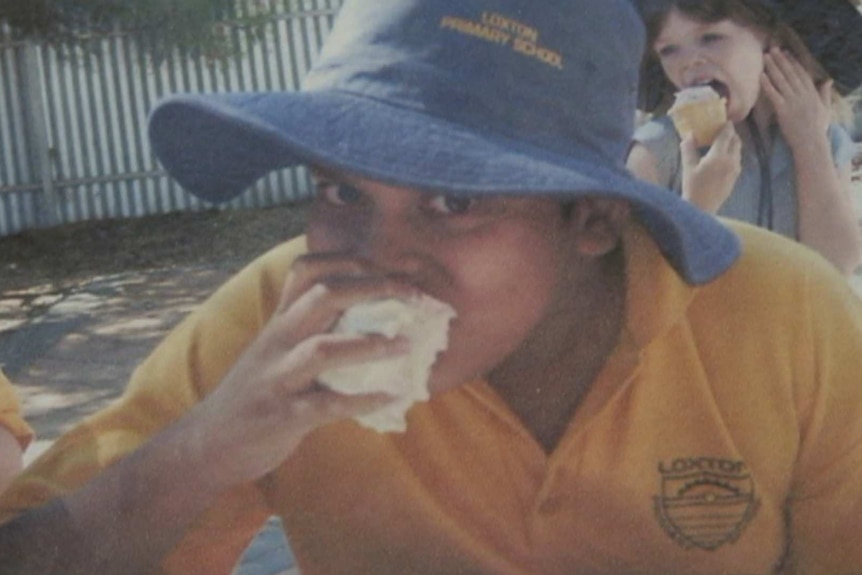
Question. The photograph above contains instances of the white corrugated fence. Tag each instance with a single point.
(73, 143)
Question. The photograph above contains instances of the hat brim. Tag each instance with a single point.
(218, 145)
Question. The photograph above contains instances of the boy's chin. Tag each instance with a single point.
(440, 385)
(444, 379)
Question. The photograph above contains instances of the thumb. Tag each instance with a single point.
(688, 152)
(826, 92)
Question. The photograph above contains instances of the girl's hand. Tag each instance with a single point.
(802, 109)
(269, 401)
(707, 182)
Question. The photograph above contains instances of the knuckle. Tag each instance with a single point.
(321, 349)
(334, 408)
(302, 265)
(301, 410)
(334, 287)
(314, 352)
(320, 291)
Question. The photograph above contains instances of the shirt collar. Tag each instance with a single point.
(657, 297)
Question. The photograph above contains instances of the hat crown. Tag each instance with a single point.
(522, 97)
(560, 75)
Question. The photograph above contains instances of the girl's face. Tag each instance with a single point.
(723, 54)
(498, 261)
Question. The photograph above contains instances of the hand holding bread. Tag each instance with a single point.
(424, 322)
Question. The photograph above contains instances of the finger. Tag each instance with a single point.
(735, 146)
(307, 360)
(308, 269)
(825, 91)
(319, 308)
(799, 77)
(788, 74)
(771, 91)
(775, 73)
(734, 154)
(722, 141)
(689, 156)
(794, 72)
(325, 406)
(725, 135)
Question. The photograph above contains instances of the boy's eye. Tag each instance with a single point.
(711, 37)
(339, 194)
(451, 205)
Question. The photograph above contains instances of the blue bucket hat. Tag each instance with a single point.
(459, 96)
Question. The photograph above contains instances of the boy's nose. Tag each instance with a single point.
(390, 243)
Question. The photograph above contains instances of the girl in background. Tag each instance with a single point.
(782, 161)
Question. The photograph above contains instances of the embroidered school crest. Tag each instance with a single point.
(705, 502)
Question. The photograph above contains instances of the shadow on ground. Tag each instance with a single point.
(78, 352)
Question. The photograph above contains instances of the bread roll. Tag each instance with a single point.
(699, 111)
(424, 321)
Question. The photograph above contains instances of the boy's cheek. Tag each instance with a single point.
(476, 346)
(325, 233)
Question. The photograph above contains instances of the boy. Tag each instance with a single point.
(585, 417)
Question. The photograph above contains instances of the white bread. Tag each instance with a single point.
(424, 321)
(700, 111)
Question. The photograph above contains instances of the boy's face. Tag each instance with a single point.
(724, 54)
(498, 261)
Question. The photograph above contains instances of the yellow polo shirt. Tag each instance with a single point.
(10, 414)
(724, 435)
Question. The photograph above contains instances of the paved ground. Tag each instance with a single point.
(77, 350)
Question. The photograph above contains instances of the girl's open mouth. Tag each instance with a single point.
(720, 88)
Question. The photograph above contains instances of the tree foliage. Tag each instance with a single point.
(201, 27)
